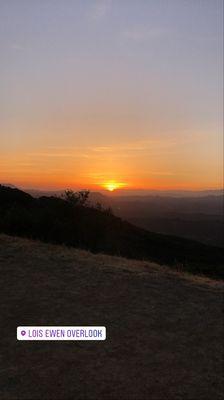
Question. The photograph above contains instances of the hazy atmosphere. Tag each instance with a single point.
(111, 199)
(113, 94)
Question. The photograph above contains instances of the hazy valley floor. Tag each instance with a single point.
(164, 329)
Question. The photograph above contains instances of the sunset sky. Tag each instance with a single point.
(111, 92)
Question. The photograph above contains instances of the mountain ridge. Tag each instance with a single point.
(55, 220)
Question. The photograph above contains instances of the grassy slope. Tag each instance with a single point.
(54, 220)
(164, 328)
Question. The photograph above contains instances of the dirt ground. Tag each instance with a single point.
(164, 329)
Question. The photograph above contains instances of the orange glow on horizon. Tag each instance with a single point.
(113, 185)
(87, 122)
(61, 183)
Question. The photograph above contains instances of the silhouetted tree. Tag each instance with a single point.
(70, 221)
(76, 198)
(108, 211)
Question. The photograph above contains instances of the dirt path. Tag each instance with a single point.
(164, 330)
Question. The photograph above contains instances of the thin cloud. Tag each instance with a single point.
(59, 155)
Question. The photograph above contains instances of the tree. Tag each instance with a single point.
(76, 198)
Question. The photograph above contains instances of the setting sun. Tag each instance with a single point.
(112, 185)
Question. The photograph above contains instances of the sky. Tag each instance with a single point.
(111, 93)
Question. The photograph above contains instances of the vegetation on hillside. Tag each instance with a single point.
(71, 221)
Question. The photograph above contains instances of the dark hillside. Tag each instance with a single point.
(10, 196)
(55, 220)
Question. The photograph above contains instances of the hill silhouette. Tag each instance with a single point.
(56, 220)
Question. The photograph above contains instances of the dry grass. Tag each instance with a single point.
(164, 328)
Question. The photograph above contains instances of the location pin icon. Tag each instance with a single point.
(23, 333)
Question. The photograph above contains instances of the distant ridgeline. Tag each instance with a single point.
(72, 222)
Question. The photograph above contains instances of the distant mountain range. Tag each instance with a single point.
(194, 215)
(127, 193)
(56, 220)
